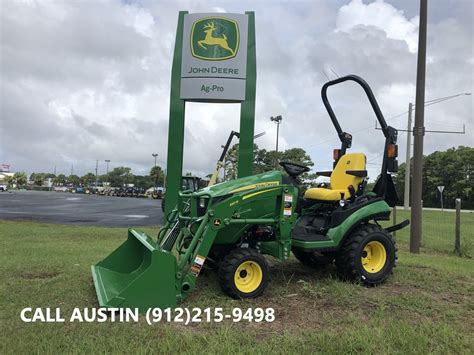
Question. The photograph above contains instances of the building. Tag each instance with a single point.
(4, 173)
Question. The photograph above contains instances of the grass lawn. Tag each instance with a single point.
(426, 306)
(438, 232)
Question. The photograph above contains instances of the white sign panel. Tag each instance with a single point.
(214, 57)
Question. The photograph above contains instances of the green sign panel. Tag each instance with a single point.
(214, 38)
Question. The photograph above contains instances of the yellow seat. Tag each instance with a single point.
(340, 179)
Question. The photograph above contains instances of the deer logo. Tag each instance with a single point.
(209, 28)
(214, 38)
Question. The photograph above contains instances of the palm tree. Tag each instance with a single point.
(10, 180)
(20, 178)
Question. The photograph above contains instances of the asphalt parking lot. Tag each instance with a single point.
(80, 209)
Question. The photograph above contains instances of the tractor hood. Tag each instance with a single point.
(269, 178)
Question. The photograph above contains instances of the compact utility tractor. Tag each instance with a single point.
(233, 224)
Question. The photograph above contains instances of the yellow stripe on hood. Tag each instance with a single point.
(256, 186)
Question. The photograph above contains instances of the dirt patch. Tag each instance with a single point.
(39, 275)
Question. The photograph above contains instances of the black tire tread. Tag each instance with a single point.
(346, 258)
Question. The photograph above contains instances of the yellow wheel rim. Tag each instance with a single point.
(248, 276)
(374, 257)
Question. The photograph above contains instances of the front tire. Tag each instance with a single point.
(243, 273)
(368, 255)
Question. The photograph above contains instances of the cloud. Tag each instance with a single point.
(380, 15)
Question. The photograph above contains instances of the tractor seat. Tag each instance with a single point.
(346, 177)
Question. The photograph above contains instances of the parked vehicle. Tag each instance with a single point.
(141, 192)
(60, 189)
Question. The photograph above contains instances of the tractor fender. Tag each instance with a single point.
(374, 211)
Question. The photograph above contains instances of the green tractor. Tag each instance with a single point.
(232, 225)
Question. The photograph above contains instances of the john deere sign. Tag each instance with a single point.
(214, 61)
(214, 57)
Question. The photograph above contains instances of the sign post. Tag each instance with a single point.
(214, 62)
(441, 189)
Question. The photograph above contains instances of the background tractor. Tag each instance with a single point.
(189, 184)
(235, 223)
(192, 183)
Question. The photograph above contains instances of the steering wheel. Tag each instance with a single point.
(294, 169)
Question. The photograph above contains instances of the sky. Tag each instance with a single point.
(82, 81)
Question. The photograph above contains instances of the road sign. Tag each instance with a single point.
(440, 189)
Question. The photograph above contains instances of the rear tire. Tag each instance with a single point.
(368, 255)
(243, 273)
(313, 258)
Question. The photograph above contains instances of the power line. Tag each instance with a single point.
(432, 102)
(431, 131)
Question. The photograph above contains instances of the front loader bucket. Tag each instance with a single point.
(138, 274)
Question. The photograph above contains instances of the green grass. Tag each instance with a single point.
(438, 231)
(426, 306)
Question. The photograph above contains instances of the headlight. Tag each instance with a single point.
(203, 203)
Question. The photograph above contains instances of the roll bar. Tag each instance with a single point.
(390, 133)
(370, 96)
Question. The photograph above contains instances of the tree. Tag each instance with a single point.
(144, 182)
(230, 162)
(20, 178)
(88, 179)
(10, 180)
(265, 160)
(120, 176)
(37, 178)
(453, 169)
(157, 175)
(59, 180)
(74, 180)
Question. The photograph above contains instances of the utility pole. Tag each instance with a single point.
(156, 172)
(406, 199)
(418, 133)
(277, 120)
(409, 130)
(96, 169)
(72, 169)
(107, 171)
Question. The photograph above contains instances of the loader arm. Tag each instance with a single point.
(225, 149)
(222, 157)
